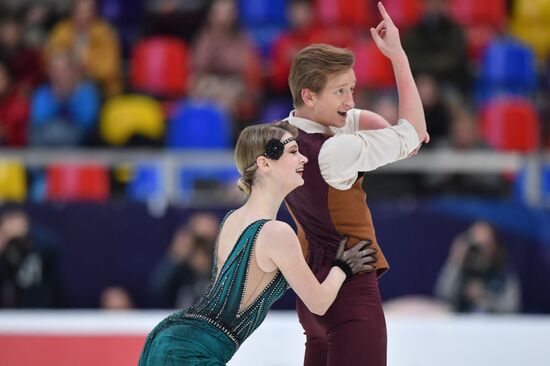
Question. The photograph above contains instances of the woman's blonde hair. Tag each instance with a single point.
(251, 144)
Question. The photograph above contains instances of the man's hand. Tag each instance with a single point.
(386, 36)
(424, 141)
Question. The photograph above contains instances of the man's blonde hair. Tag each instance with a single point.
(312, 66)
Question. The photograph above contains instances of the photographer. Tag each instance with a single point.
(28, 264)
(476, 276)
(183, 274)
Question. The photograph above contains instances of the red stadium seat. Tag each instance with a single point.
(482, 21)
(282, 54)
(336, 36)
(160, 66)
(77, 182)
(404, 13)
(372, 68)
(478, 12)
(477, 39)
(350, 13)
(509, 123)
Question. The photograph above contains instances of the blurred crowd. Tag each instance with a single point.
(477, 276)
(65, 65)
(30, 268)
(191, 74)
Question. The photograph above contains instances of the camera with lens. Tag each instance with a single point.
(15, 251)
(474, 258)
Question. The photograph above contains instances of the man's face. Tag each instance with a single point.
(332, 103)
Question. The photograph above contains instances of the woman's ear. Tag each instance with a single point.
(262, 162)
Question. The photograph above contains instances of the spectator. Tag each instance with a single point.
(436, 110)
(397, 185)
(115, 298)
(386, 105)
(464, 137)
(436, 46)
(184, 274)
(477, 276)
(24, 64)
(300, 33)
(93, 44)
(36, 19)
(464, 131)
(176, 18)
(14, 112)
(226, 63)
(204, 226)
(64, 111)
(28, 264)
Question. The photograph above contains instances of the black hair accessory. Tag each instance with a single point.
(274, 148)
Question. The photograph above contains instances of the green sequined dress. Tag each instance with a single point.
(211, 331)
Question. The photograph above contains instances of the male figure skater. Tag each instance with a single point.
(340, 143)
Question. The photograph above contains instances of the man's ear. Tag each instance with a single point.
(308, 97)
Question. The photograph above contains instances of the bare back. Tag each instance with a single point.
(257, 279)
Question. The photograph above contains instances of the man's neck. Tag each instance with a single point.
(306, 113)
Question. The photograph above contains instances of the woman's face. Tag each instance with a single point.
(289, 169)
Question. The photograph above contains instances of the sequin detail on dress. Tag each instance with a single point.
(221, 305)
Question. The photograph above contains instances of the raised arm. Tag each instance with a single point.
(372, 121)
(277, 247)
(386, 37)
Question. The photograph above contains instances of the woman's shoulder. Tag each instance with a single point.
(277, 231)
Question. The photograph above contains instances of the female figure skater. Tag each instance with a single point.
(256, 258)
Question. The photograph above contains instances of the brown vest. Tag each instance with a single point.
(324, 214)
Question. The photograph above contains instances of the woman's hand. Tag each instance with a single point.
(360, 258)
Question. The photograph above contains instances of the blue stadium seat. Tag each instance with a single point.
(260, 13)
(264, 21)
(508, 67)
(521, 185)
(126, 16)
(121, 12)
(276, 110)
(192, 178)
(199, 125)
(147, 183)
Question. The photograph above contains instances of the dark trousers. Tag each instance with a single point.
(353, 330)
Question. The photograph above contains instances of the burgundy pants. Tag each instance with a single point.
(353, 330)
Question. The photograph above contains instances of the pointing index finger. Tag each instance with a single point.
(384, 13)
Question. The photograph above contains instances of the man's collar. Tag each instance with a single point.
(308, 125)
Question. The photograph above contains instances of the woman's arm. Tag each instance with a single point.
(278, 247)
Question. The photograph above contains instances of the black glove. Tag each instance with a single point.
(360, 258)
